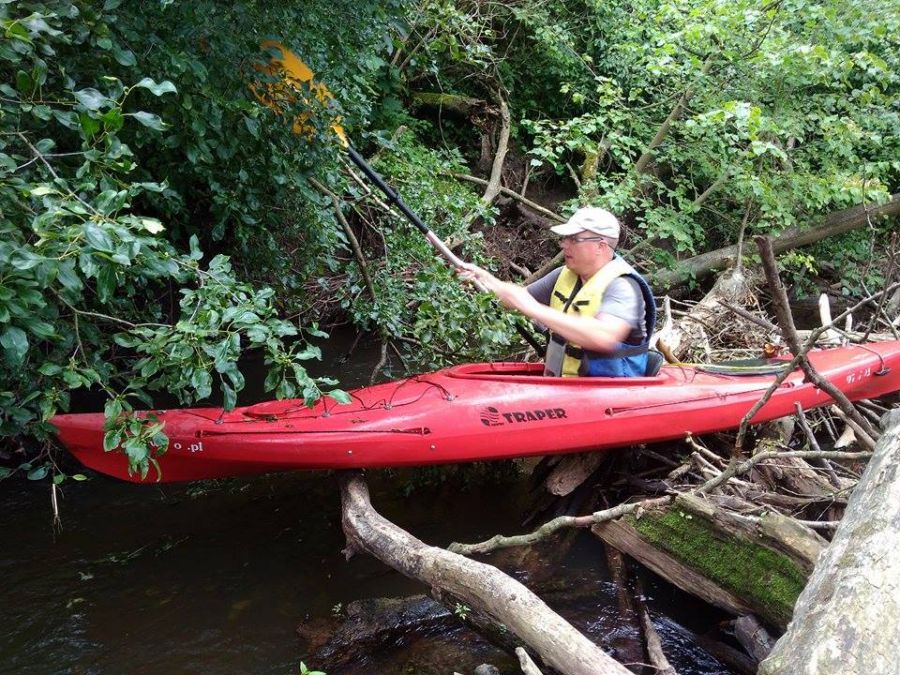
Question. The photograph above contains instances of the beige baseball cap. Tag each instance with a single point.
(590, 218)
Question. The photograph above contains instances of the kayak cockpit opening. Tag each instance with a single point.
(533, 373)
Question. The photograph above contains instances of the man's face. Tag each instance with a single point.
(584, 252)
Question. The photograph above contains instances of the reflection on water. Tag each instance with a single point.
(214, 577)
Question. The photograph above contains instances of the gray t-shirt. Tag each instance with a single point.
(622, 299)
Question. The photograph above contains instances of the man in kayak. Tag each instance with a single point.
(600, 312)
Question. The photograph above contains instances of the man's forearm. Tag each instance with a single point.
(587, 332)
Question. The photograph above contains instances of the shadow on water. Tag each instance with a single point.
(215, 576)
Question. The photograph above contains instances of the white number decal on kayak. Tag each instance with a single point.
(192, 448)
(853, 377)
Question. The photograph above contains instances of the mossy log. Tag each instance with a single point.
(847, 620)
(454, 103)
(736, 564)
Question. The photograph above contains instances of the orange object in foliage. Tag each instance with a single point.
(288, 79)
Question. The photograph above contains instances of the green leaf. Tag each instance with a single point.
(89, 125)
(229, 396)
(15, 30)
(91, 99)
(79, 476)
(15, 342)
(106, 283)
(340, 396)
(24, 82)
(98, 238)
(111, 440)
(39, 472)
(136, 450)
(158, 88)
(7, 162)
(42, 112)
(113, 119)
(149, 120)
(41, 329)
(124, 57)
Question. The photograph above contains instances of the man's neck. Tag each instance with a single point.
(587, 277)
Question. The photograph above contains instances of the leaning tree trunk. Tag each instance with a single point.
(833, 224)
(847, 620)
(483, 587)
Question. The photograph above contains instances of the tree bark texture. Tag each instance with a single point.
(847, 620)
(483, 587)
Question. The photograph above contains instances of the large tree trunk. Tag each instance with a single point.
(847, 620)
(482, 587)
(839, 222)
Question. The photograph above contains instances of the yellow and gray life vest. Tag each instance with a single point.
(572, 297)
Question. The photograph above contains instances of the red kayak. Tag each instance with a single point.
(480, 412)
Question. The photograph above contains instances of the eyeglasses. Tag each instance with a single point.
(572, 239)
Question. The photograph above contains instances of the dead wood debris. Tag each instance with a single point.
(795, 478)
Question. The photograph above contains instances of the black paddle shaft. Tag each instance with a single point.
(389, 192)
(394, 198)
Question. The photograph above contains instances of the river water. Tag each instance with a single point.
(215, 576)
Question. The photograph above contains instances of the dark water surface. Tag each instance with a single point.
(215, 576)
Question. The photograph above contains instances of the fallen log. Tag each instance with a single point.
(839, 222)
(482, 587)
(734, 563)
(847, 620)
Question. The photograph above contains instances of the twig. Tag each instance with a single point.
(513, 195)
(814, 445)
(861, 434)
(736, 468)
(37, 153)
(525, 663)
(801, 418)
(351, 237)
(493, 186)
(743, 313)
(879, 310)
(499, 541)
(651, 637)
(381, 361)
(708, 454)
(786, 321)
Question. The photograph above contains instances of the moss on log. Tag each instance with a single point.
(767, 580)
(455, 103)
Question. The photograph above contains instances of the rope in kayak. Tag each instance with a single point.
(682, 401)
(388, 403)
(415, 431)
(726, 368)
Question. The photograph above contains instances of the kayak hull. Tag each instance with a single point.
(478, 412)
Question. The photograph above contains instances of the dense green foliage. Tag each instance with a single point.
(110, 179)
(790, 108)
(420, 302)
